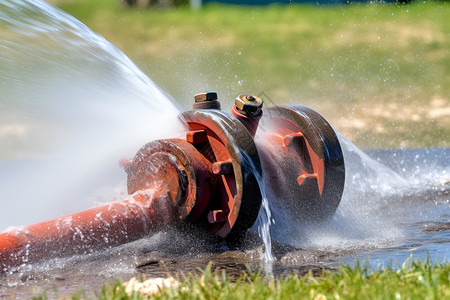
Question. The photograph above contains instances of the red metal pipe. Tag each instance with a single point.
(105, 226)
(209, 178)
(204, 179)
(248, 110)
(250, 122)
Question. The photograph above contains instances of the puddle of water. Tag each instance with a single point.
(418, 209)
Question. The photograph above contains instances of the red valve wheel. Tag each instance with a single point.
(302, 160)
(235, 166)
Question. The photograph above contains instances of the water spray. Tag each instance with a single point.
(209, 179)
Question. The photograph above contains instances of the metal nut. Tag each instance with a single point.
(206, 100)
(249, 105)
(205, 96)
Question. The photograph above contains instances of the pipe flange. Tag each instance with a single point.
(175, 166)
(235, 165)
(302, 162)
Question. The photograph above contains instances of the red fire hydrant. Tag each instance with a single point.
(210, 179)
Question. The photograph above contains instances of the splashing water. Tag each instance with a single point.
(359, 221)
(71, 106)
(264, 220)
(381, 206)
(264, 223)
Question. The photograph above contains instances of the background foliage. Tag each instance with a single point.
(380, 73)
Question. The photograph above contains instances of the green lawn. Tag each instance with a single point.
(380, 73)
(412, 280)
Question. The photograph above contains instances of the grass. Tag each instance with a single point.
(412, 280)
(380, 73)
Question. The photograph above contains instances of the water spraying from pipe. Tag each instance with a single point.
(70, 101)
(71, 106)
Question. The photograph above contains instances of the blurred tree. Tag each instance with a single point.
(129, 2)
(155, 3)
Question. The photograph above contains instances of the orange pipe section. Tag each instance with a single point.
(101, 227)
(250, 122)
